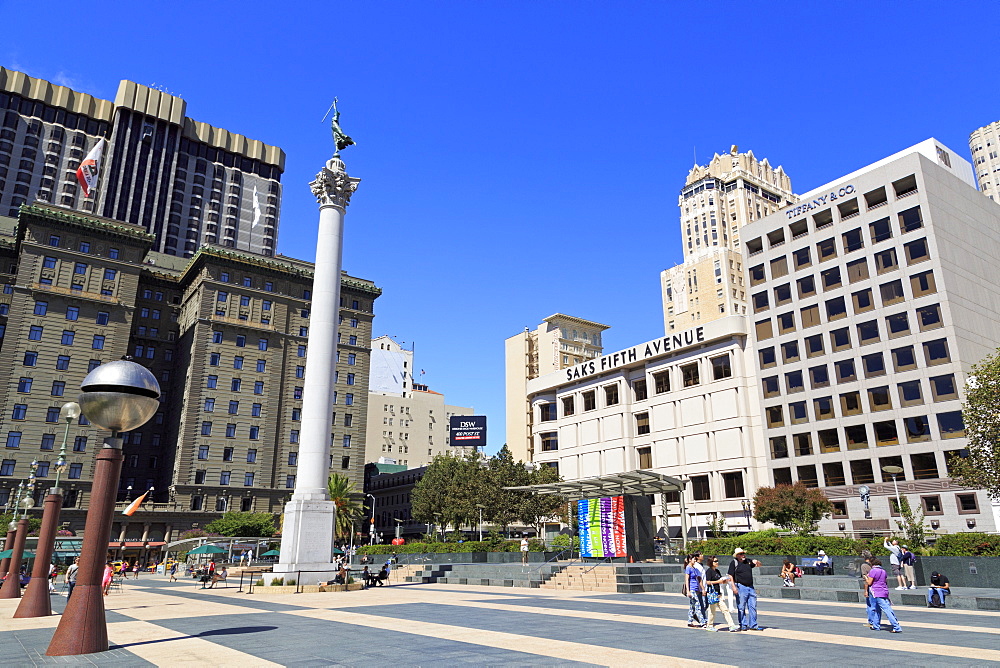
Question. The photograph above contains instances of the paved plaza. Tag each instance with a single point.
(155, 622)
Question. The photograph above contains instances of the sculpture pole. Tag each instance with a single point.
(12, 585)
(307, 538)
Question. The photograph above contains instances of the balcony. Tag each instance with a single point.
(80, 294)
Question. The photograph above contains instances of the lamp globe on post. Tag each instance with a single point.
(118, 396)
(36, 602)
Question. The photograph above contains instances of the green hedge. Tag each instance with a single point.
(467, 546)
(968, 545)
(769, 542)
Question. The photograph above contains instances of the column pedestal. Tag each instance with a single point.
(7, 544)
(12, 585)
(36, 602)
(307, 540)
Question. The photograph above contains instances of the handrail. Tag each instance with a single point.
(546, 563)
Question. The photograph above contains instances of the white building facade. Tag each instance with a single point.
(684, 405)
(871, 298)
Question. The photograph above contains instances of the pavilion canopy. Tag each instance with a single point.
(629, 482)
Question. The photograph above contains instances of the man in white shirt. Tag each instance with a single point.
(71, 576)
(894, 561)
(524, 550)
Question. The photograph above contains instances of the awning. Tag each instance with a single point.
(116, 544)
(630, 482)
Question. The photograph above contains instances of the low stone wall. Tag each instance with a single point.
(306, 589)
(456, 558)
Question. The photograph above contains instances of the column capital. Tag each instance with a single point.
(332, 186)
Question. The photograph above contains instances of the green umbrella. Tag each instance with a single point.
(7, 554)
(337, 550)
(207, 549)
(271, 553)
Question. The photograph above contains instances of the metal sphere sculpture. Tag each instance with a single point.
(119, 396)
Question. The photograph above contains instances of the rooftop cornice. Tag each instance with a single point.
(48, 213)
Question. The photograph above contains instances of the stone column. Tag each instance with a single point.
(308, 532)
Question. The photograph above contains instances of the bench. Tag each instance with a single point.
(215, 579)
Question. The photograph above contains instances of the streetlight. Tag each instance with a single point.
(371, 528)
(895, 471)
(747, 509)
(399, 527)
(36, 601)
(480, 506)
(12, 585)
(118, 396)
(437, 526)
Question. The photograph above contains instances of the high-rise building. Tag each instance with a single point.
(412, 419)
(717, 200)
(560, 341)
(872, 299)
(225, 333)
(985, 146)
(183, 181)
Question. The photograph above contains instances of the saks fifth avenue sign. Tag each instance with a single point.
(818, 202)
(642, 351)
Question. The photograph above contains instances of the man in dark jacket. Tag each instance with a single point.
(939, 583)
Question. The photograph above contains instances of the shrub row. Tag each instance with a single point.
(467, 546)
(968, 545)
(768, 542)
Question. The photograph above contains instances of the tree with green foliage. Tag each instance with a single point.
(536, 508)
(449, 490)
(911, 523)
(34, 523)
(257, 525)
(504, 506)
(345, 496)
(981, 413)
(794, 507)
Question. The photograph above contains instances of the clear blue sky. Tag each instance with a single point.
(524, 158)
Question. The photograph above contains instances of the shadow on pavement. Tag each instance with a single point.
(236, 630)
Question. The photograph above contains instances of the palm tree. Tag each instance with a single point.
(346, 497)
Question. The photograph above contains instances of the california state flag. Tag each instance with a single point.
(91, 165)
(134, 506)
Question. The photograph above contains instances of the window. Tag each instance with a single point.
(868, 332)
(779, 447)
(224, 477)
(98, 342)
(922, 284)
(892, 293)
(237, 362)
(760, 302)
(721, 367)
(661, 382)
(814, 345)
(903, 359)
(732, 483)
(802, 258)
(826, 250)
(41, 308)
(879, 399)
(910, 393)
(836, 309)
(862, 472)
(642, 423)
(350, 380)
(110, 274)
(589, 400)
(806, 286)
(898, 325)
(549, 441)
(880, 230)
(262, 344)
(763, 329)
(863, 301)
(823, 408)
(810, 314)
(797, 413)
(690, 375)
(819, 376)
(93, 364)
(943, 388)
(840, 339)
(782, 476)
(770, 386)
(31, 358)
(235, 385)
(216, 337)
(35, 333)
(936, 352)
(213, 382)
(885, 433)
(546, 412)
(929, 317)
(845, 371)
(886, 261)
(58, 388)
(967, 503)
(918, 430)
(196, 502)
(248, 479)
(700, 488)
(757, 275)
(857, 437)
(67, 337)
(75, 471)
(794, 382)
(62, 363)
(839, 507)
(916, 251)
(254, 433)
(293, 436)
(80, 444)
(49, 440)
(857, 270)
(638, 387)
(850, 403)
(807, 475)
(786, 322)
(346, 440)
(206, 428)
(20, 412)
(568, 407)
(300, 351)
(910, 220)
(214, 359)
(24, 384)
(831, 278)
(775, 416)
(241, 341)
(766, 357)
(874, 365)
(113, 253)
(348, 399)
(931, 505)
(951, 424)
(300, 372)
(782, 294)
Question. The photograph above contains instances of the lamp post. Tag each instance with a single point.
(36, 601)
(118, 396)
(371, 525)
(481, 507)
(747, 509)
(12, 585)
(895, 471)
(437, 526)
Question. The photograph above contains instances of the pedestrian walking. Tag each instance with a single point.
(70, 577)
(524, 550)
(109, 574)
(714, 580)
(135, 570)
(876, 581)
(741, 570)
(866, 567)
(173, 572)
(909, 560)
(695, 580)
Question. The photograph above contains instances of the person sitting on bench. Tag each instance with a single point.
(382, 576)
(823, 565)
(939, 584)
(219, 576)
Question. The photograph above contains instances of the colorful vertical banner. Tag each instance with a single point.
(602, 526)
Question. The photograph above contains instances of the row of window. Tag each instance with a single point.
(930, 504)
(72, 312)
(857, 437)
(690, 376)
(935, 352)
(35, 333)
(924, 466)
(48, 440)
(8, 466)
(240, 340)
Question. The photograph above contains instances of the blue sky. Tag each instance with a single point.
(522, 159)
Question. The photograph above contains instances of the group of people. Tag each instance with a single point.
(705, 586)
(902, 563)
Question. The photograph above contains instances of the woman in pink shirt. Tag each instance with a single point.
(109, 573)
(879, 591)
